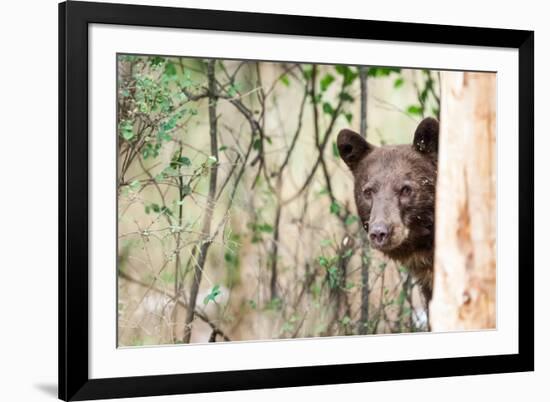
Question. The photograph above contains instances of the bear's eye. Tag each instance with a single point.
(406, 190)
(368, 192)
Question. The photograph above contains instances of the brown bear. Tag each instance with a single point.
(395, 196)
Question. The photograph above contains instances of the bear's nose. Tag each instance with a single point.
(379, 234)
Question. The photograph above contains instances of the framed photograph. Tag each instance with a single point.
(258, 201)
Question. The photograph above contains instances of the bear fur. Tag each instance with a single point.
(395, 196)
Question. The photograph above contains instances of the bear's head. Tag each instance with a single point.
(395, 189)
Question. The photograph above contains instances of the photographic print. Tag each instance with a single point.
(262, 200)
(254, 200)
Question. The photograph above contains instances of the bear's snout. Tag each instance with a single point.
(380, 234)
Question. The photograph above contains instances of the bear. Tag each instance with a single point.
(394, 190)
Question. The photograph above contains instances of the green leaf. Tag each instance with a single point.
(328, 109)
(257, 145)
(366, 260)
(147, 151)
(187, 81)
(398, 83)
(346, 97)
(347, 73)
(172, 122)
(326, 81)
(171, 171)
(164, 136)
(159, 177)
(284, 79)
(401, 297)
(323, 261)
(180, 161)
(382, 71)
(233, 90)
(274, 304)
(134, 185)
(348, 117)
(335, 208)
(348, 253)
(223, 148)
(414, 109)
(170, 69)
(333, 277)
(212, 160)
(341, 69)
(158, 209)
(323, 191)
(351, 219)
(424, 94)
(185, 161)
(335, 151)
(128, 58)
(215, 292)
(126, 130)
(157, 60)
(265, 227)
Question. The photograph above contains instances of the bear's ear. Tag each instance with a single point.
(426, 136)
(352, 147)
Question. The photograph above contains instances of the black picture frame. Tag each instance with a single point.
(74, 381)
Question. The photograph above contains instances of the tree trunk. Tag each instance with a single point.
(465, 256)
(211, 204)
(365, 252)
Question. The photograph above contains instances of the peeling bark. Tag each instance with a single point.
(464, 294)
